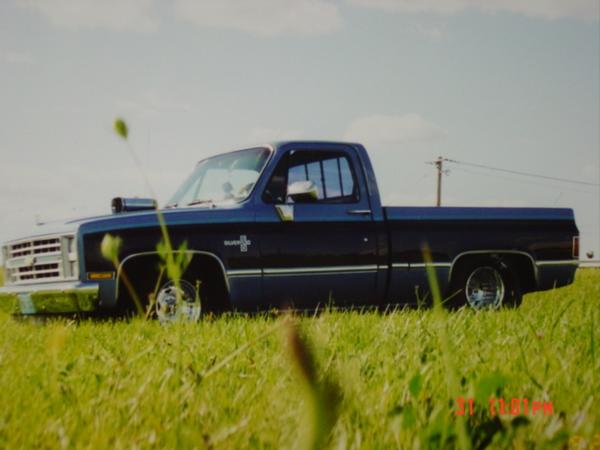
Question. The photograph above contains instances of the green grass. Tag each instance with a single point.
(139, 384)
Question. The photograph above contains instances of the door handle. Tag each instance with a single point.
(359, 212)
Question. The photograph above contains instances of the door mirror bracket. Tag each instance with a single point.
(285, 212)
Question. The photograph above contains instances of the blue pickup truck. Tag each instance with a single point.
(292, 224)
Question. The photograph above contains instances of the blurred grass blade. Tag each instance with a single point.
(441, 316)
(322, 397)
(432, 278)
(110, 248)
(120, 127)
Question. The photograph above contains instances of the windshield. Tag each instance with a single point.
(226, 178)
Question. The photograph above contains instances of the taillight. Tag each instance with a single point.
(576, 247)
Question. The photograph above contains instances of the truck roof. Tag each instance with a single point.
(276, 145)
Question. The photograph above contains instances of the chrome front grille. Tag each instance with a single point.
(44, 259)
(35, 247)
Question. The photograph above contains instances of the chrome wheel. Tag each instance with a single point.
(168, 309)
(485, 288)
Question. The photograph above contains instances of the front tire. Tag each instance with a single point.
(203, 278)
(178, 302)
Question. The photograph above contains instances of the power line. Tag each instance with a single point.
(517, 172)
(439, 165)
(562, 188)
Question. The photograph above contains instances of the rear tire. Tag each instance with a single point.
(485, 284)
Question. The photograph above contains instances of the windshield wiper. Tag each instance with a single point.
(200, 202)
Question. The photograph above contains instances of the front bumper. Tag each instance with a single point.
(49, 298)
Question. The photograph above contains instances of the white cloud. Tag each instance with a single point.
(261, 135)
(263, 17)
(548, 9)
(258, 17)
(384, 130)
(270, 18)
(20, 58)
(117, 15)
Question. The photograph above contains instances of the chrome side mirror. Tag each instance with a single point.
(303, 192)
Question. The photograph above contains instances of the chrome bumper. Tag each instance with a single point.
(49, 298)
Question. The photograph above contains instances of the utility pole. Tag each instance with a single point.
(439, 165)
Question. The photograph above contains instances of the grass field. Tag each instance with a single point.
(382, 380)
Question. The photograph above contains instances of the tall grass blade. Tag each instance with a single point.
(440, 316)
(322, 395)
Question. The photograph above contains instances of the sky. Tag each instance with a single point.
(501, 83)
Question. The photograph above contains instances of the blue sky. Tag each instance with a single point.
(502, 83)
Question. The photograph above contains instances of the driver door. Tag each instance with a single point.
(318, 247)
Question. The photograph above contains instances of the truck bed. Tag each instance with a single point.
(416, 213)
(541, 237)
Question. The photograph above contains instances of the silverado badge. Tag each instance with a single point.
(243, 242)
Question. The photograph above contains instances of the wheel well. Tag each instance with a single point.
(146, 274)
(521, 264)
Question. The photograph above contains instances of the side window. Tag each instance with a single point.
(331, 172)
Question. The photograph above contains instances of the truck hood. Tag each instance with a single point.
(208, 214)
(57, 227)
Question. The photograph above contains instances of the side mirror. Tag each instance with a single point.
(303, 192)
